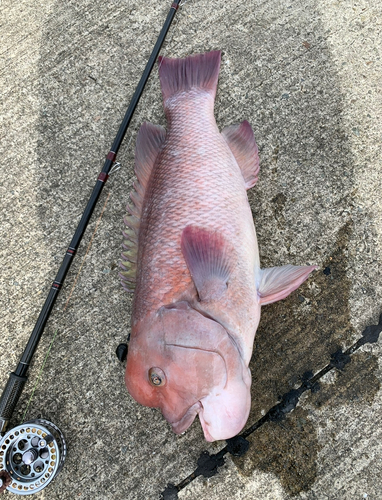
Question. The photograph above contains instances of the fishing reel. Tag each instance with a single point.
(31, 456)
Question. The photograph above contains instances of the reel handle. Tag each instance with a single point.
(9, 399)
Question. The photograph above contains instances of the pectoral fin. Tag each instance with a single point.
(207, 256)
(276, 283)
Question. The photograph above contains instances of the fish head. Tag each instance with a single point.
(186, 364)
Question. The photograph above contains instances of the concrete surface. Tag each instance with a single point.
(306, 74)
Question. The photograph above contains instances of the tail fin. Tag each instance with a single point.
(199, 71)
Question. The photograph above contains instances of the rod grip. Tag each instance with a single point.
(9, 399)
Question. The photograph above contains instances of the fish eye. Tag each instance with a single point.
(157, 377)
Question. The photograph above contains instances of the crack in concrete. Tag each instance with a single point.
(208, 465)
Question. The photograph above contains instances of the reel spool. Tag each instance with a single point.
(32, 454)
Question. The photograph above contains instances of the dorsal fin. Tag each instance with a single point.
(150, 140)
(241, 141)
(149, 143)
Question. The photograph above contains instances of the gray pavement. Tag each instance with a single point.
(306, 75)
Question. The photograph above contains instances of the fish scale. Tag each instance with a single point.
(188, 187)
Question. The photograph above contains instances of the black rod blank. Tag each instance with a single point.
(17, 379)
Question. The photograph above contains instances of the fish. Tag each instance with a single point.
(190, 256)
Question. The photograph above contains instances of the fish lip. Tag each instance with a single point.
(184, 422)
(207, 435)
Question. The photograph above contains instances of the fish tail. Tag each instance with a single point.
(199, 72)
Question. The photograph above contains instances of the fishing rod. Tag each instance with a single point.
(32, 454)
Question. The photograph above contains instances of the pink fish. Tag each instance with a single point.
(190, 252)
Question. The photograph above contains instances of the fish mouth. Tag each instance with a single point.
(186, 420)
(184, 423)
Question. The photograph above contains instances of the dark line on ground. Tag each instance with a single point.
(207, 465)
